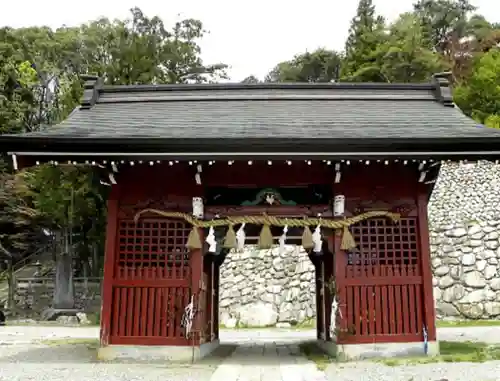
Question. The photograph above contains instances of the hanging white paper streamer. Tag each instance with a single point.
(333, 316)
(316, 237)
(212, 243)
(338, 205)
(282, 238)
(198, 207)
(187, 318)
(240, 237)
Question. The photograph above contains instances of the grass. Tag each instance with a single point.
(89, 343)
(467, 323)
(451, 351)
(313, 353)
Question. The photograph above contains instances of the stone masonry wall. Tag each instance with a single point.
(464, 216)
(266, 287)
(32, 299)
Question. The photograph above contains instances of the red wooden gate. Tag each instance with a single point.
(151, 282)
(381, 283)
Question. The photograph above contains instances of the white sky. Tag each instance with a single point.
(250, 36)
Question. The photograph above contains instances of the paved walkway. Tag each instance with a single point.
(267, 355)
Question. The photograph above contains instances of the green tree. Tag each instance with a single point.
(141, 50)
(366, 35)
(251, 79)
(322, 65)
(479, 97)
(456, 34)
(404, 57)
(40, 85)
(443, 21)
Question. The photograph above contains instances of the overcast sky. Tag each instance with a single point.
(250, 36)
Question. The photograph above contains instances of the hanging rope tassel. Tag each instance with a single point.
(348, 242)
(282, 239)
(307, 238)
(240, 237)
(230, 238)
(194, 240)
(265, 238)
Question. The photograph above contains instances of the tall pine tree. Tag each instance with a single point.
(366, 34)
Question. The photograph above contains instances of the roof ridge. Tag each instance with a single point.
(94, 87)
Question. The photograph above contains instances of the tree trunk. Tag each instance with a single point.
(96, 263)
(64, 293)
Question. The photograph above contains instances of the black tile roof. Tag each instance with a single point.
(250, 113)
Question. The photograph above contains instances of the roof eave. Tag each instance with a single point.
(271, 148)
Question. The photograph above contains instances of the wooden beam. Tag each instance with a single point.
(428, 295)
(109, 259)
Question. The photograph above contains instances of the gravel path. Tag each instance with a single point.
(484, 334)
(370, 371)
(24, 357)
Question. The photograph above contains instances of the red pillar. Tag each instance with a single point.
(423, 229)
(109, 260)
(196, 289)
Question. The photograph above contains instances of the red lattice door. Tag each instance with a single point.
(151, 282)
(381, 292)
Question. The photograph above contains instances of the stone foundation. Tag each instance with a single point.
(150, 353)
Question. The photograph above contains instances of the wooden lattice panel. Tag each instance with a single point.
(381, 284)
(153, 249)
(384, 248)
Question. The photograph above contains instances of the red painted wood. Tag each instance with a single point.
(385, 315)
(372, 315)
(157, 307)
(151, 282)
(137, 311)
(378, 311)
(405, 308)
(260, 174)
(364, 311)
(144, 340)
(196, 288)
(159, 283)
(123, 311)
(411, 309)
(428, 296)
(400, 310)
(371, 283)
(107, 287)
(130, 312)
(343, 297)
(370, 339)
(116, 310)
(387, 258)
